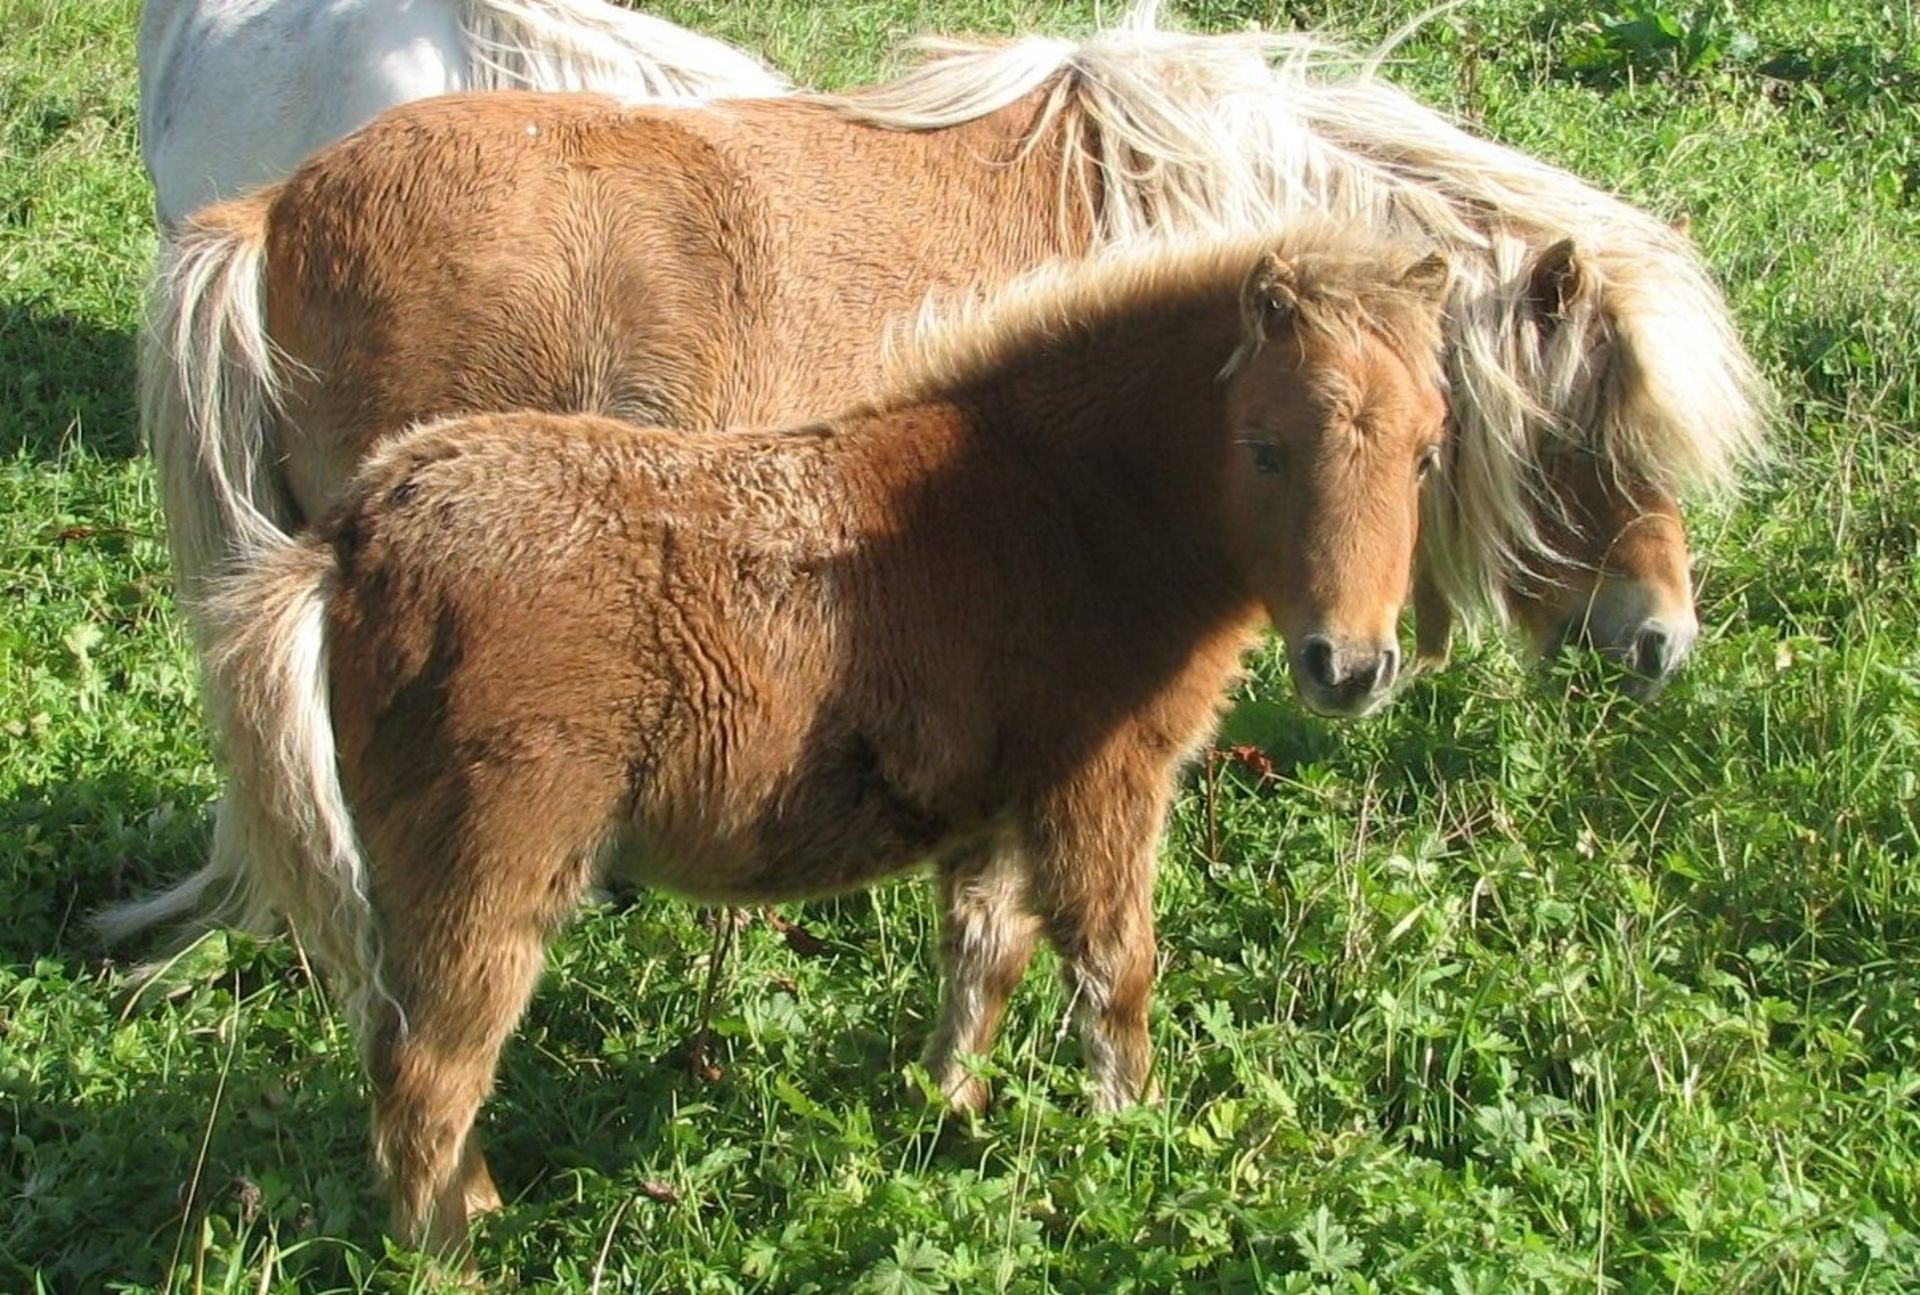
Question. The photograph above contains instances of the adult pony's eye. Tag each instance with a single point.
(1267, 457)
(1429, 460)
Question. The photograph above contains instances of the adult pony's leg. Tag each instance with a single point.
(986, 941)
(1093, 887)
(1432, 619)
(465, 930)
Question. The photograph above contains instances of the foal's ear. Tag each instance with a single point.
(1557, 280)
(1271, 297)
(1682, 225)
(1428, 278)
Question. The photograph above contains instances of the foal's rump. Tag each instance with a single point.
(326, 695)
(399, 740)
(651, 655)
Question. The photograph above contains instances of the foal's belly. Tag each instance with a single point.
(713, 878)
(836, 818)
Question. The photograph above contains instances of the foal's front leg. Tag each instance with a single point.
(986, 941)
(1093, 887)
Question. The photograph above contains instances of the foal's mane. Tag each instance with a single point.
(1165, 133)
(1347, 282)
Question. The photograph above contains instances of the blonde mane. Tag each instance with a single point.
(1348, 284)
(594, 45)
(1169, 135)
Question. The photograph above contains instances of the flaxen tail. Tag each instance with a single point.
(284, 845)
(209, 396)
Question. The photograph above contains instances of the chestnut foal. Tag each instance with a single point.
(981, 623)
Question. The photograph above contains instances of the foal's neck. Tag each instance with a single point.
(1113, 433)
(1125, 410)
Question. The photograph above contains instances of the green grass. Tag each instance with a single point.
(1517, 988)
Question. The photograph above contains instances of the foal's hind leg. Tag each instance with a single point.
(465, 936)
(478, 1193)
(1093, 887)
(986, 941)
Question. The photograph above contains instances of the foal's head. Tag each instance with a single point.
(1337, 412)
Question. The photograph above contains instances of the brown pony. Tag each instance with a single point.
(734, 265)
(981, 622)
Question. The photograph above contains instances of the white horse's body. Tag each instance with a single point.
(234, 93)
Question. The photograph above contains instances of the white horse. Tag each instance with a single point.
(234, 93)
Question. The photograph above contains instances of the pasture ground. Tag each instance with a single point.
(1517, 988)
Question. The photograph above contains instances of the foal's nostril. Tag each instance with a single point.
(1317, 657)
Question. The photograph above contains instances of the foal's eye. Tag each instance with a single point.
(1267, 457)
(1428, 462)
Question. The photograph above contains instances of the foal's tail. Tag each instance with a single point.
(209, 394)
(284, 844)
(593, 45)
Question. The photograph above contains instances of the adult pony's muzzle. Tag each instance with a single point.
(1649, 654)
(1646, 642)
(1342, 679)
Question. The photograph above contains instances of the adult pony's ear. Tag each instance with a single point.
(1682, 225)
(1428, 278)
(1271, 297)
(1557, 280)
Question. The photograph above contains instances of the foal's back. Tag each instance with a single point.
(608, 624)
(731, 265)
(790, 662)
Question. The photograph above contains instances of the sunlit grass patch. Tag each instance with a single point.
(1519, 987)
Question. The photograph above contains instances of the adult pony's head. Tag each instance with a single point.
(1336, 408)
(1592, 389)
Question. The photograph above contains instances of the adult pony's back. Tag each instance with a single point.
(234, 93)
(700, 268)
(734, 263)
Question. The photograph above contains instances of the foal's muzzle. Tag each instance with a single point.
(1341, 679)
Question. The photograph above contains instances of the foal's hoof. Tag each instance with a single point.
(1111, 1098)
(962, 1092)
(968, 1098)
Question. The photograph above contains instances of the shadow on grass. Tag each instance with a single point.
(62, 376)
(111, 1149)
(109, 1098)
(74, 846)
